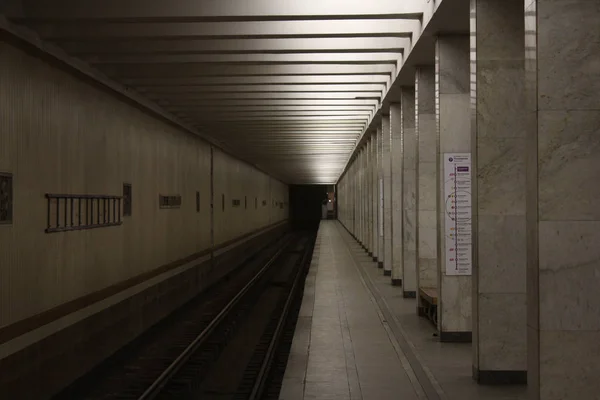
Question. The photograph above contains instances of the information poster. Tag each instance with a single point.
(380, 207)
(457, 192)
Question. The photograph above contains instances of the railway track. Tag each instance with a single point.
(229, 343)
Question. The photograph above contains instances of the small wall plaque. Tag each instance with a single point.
(171, 201)
(127, 200)
(6, 198)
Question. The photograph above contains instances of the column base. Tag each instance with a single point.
(396, 282)
(379, 264)
(421, 312)
(387, 273)
(456, 337)
(409, 294)
(485, 377)
(370, 254)
(375, 259)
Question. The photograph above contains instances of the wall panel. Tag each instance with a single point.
(60, 134)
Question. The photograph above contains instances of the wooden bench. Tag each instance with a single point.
(429, 299)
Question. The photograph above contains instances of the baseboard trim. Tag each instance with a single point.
(489, 377)
(456, 337)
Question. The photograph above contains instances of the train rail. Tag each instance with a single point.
(222, 345)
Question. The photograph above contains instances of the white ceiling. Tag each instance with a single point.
(288, 85)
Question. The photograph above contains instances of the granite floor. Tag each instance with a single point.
(358, 338)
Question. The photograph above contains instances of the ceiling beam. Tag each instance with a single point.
(295, 58)
(240, 46)
(116, 31)
(266, 88)
(219, 10)
(300, 119)
(201, 95)
(332, 80)
(277, 109)
(155, 70)
(294, 113)
(265, 102)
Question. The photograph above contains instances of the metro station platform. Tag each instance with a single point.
(358, 338)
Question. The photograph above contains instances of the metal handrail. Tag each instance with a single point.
(172, 369)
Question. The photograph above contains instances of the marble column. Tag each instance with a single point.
(380, 198)
(359, 195)
(347, 180)
(409, 191)
(425, 124)
(454, 136)
(362, 198)
(562, 198)
(498, 150)
(396, 160)
(375, 194)
(365, 197)
(369, 196)
(353, 206)
(386, 171)
(346, 201)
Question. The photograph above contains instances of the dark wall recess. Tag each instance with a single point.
(235, 203)
(197, 201)
(305, 205)
(171, 201)
(127, 200)
(6, 198)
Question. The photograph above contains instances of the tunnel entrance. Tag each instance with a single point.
(309, 204)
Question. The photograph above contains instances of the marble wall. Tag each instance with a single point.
(563, 214)
(396, 193)
(409, 191)
(386, 168)
(426, 177)
(498, 148)
(454, 136)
